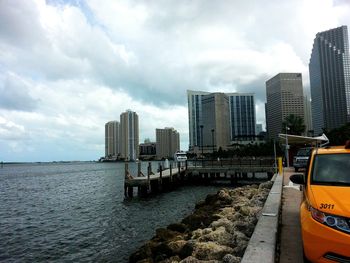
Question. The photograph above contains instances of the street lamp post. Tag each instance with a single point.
(274, 154)
(202, 138)
(287, 146)
(212, 140)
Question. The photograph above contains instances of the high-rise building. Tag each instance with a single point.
(167, 142)
(240, 112)
(284, 96)
(330, 79)
(129, 135)
(194, 99)
(112, 139)
(215, 122)
(242, 116)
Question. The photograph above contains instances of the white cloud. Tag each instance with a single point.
(66, 69)
(10, 130)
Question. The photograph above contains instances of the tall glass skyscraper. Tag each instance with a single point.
(330, 79)
(242, 116)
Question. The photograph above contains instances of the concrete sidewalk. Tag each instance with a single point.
(290, 243)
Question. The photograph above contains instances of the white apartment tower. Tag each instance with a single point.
(129, 135)
(112, 139)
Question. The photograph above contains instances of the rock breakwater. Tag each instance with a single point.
(217, 231)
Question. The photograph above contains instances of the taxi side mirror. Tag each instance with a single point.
(297, 178)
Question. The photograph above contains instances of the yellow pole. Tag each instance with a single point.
(280, 167)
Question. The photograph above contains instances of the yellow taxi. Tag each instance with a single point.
(325, 209)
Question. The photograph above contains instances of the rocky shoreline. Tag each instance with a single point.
(217, 231)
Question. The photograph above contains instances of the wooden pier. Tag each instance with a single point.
(235, 171)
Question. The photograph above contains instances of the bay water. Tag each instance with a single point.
(76, 212)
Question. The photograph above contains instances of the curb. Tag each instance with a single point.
(262, 244)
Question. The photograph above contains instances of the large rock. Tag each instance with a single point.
(240, 241)
(266, 185)
(224, 196)
(201, 232)
(222, 222)
(201, 218)
(176, 246)
(231, 259)
(164, 234)
(144, 252)
(219, 236)
(210, 251)
(174, 259)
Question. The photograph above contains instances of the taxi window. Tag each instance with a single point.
(331, 169)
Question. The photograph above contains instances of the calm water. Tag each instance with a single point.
(76, 212)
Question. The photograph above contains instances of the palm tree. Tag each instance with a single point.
(294, 123)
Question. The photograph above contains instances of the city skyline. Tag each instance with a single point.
(77, 64)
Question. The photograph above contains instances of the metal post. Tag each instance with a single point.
(139, 169)
(274, 152)
(212, 143)
(287, 146)
(212, 140)
(202, 143)
(160, 181)
(126, 170)
(171, 172)
(202, 138)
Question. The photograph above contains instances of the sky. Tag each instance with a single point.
(68, 66)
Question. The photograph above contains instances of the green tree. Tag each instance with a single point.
(295, 124)
(340, 135)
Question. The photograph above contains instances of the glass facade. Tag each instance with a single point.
(330, 79)
(242, 117)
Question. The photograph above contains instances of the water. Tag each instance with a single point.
(76, 212)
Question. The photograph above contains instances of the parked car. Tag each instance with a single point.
(325, 209)
(301, 158)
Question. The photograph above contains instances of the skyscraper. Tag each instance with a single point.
(284, 96)
(242, 116)
(167, 142)
(111, 139)
(194, 99)
(330, 79)
(215, 121)
(129, 135)
(240, 112)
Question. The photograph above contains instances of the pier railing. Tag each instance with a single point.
(196, 170)
(265, 161)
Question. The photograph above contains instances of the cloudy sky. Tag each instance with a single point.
(68, 67)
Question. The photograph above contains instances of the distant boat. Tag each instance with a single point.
(180, 156)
